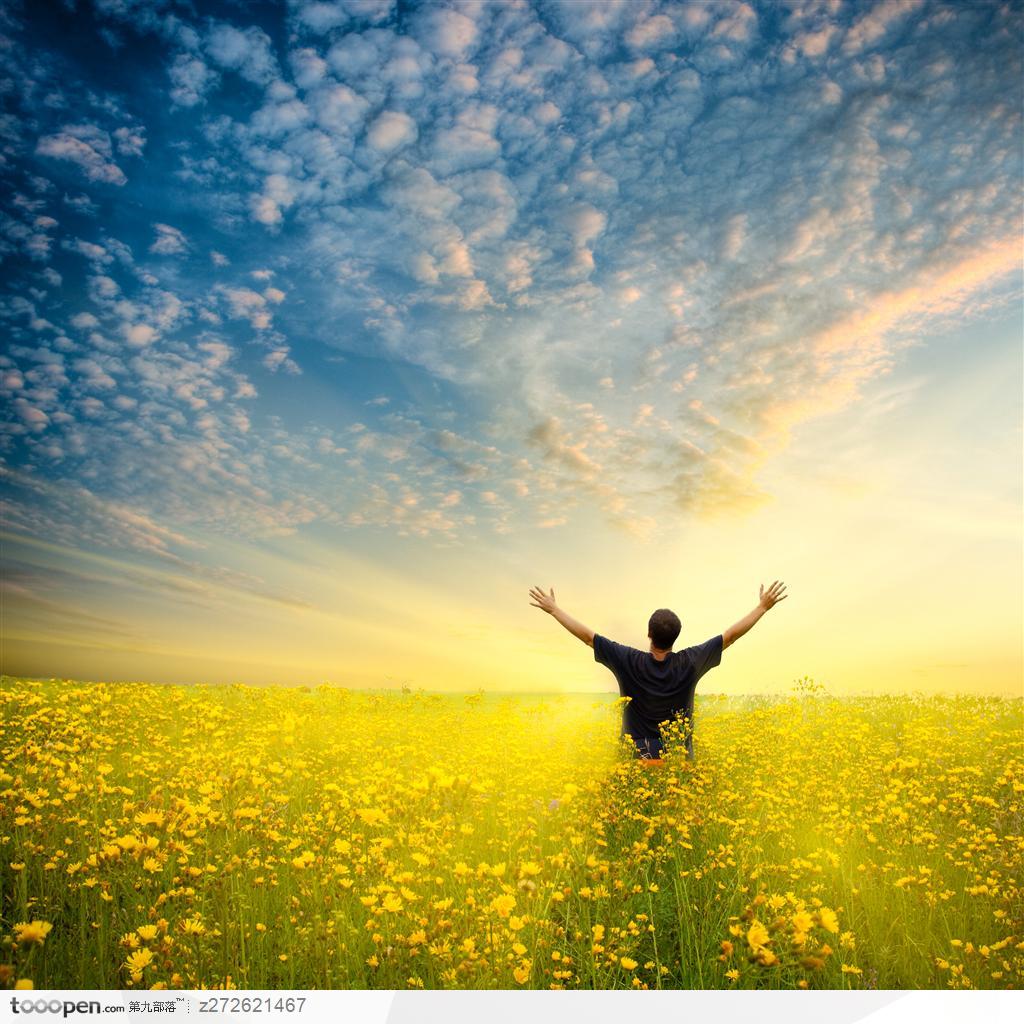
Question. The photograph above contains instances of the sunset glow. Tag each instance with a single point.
(332, 328)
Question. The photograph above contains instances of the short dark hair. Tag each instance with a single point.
(663, 629)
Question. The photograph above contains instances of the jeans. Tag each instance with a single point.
(648, 747)
(653, 748)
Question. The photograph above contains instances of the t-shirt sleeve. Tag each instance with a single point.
(611, 655)
(707, 655)
(605, 652)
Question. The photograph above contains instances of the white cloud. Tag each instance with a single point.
(872, 26)
(169, 241)
(130, 141)
(245, 304)
(191, 80)
(308, 67)
(280, 118)
(248, 52)
(584, 223)
(469, 143)
(278, 359)
(138, 335)
(390, 131)
(89, 147)
(738, 25)
(456, 259)
(651, 33)
(278, 194)
(265, 210)
(320, 16)
(447, 32)
(337, 108)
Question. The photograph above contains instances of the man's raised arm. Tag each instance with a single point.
(769, 598)
(546, 603)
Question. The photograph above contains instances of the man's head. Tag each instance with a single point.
(663, 628)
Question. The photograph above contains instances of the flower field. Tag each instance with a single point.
(233, 836)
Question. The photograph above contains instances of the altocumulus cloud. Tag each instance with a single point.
(457, 269)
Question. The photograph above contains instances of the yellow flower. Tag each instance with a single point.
(503, 905)
(802, 921)
(147, 932)
(392, 903)
(24, 983)
(138, 961)
(828, 920)
(521, 974)
(850, 969)
(733, 974)
(627, 963)
(34, 931)
(757, 935)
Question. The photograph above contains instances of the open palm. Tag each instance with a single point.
(773, 595)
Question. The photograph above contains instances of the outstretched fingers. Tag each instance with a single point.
(775, 593)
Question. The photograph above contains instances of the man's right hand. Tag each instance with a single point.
(773, 595)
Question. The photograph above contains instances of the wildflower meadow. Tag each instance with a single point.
(159, 837)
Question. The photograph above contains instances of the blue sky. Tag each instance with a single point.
(473, 278)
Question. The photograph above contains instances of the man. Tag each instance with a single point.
(660, 682)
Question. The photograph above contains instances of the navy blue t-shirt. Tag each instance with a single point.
(660, 690)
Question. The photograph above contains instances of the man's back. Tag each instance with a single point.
(660, 688)
(659, 691)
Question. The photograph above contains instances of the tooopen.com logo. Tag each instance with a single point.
(65, 1007)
